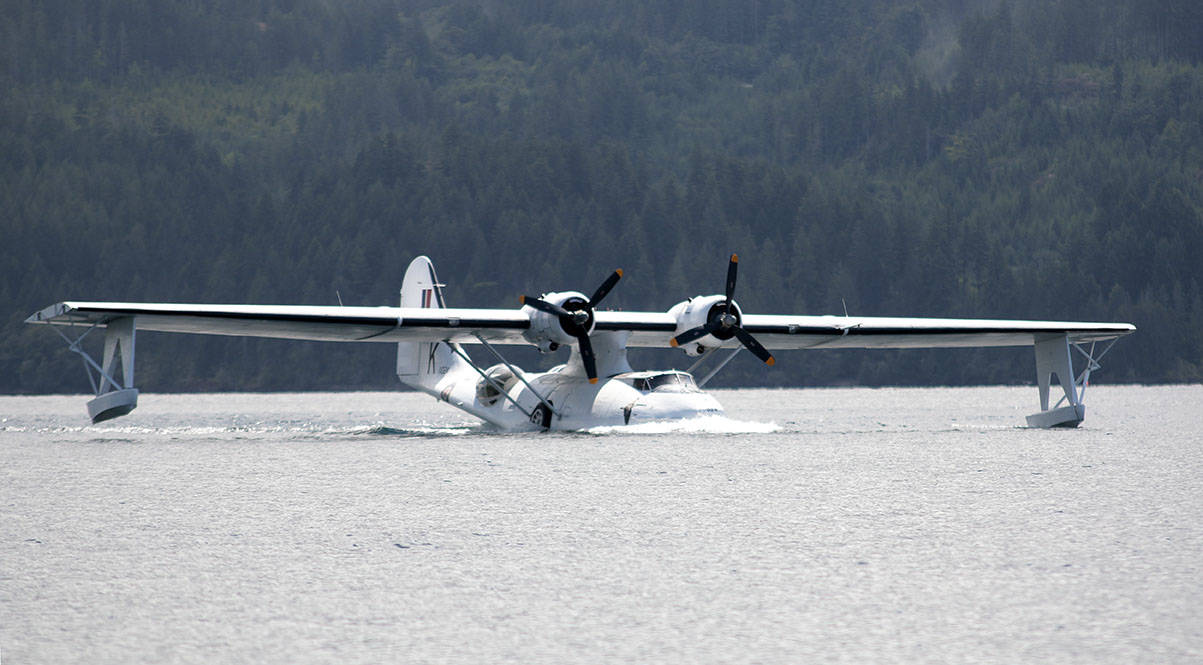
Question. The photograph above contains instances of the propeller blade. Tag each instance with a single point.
(605, 288)
(587, 358)
(732, 269)
(574, 322)
(752, 345)
(544, 306)
(691, 334)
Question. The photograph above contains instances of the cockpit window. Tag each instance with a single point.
(670, 382)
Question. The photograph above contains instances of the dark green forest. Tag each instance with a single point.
(1018, 159)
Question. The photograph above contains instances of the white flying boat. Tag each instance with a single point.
(597, 386)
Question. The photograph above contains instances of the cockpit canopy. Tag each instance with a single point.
(664, 382)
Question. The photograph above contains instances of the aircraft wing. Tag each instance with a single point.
(783, 332)
(842, 332)
(505, 326)
(304, 322)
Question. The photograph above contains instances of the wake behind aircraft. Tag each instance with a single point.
(597, 385)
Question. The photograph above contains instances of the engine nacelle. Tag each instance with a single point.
(698, 312)
(548, 331)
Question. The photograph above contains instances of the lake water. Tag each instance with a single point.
(833, 525)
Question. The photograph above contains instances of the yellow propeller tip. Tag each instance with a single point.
(673, 342)
(771, 361)
(735, 258)
(619, 271)
(593, 380)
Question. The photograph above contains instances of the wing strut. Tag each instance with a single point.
(718, 368)
(517, 373)
(488, 379)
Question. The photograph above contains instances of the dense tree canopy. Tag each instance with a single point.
(934, 157)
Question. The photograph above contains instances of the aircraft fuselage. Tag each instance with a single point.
(623, 399)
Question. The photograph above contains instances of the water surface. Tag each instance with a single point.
(837, 525)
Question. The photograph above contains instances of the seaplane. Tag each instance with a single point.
(597, 385)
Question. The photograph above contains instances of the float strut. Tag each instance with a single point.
(1054, 358)
(113, 398)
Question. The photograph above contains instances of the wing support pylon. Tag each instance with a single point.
(1055, 358)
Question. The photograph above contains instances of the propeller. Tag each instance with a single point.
(723, 321)
(576, 318)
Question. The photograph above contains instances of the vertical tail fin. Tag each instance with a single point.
(423, 364)
(420, 287)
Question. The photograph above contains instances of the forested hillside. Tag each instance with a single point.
(1028, 159)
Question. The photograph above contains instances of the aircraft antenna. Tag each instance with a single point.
(845, 307)
(340, 298)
